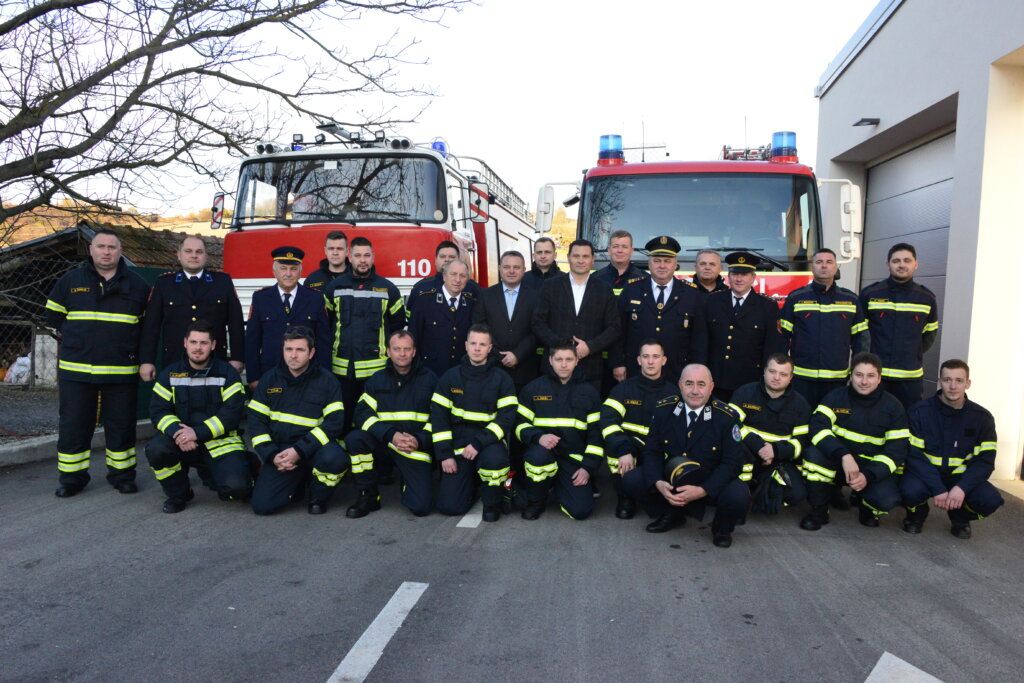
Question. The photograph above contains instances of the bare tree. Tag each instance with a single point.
(101, 99)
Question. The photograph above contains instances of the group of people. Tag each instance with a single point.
(692, 392)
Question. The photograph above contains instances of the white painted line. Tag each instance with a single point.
(473, 518)
(891, 668)
(363, 656)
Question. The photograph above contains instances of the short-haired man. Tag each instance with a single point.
(507, 310)
(952, 455)
(196, 407)
(97, 311)
(295, 421)
(822, 323)
(559, 413)
(580, 308)
(626, 417)
(707, 273)
(279, 308)
(544, 266)
(472, 413)
(692, 457)
(446, 252)
(861, 434)
(620, 270)
(440, 322)
(182, 297)
(774, 423)
(335, 263)
(391, 423)
(904, 321)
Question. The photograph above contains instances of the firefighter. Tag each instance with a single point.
(860, 431)
(559, 414)
(774, 422)
(692, 457)
(952, 455)
(182, 297)
(822, 323)
(335, 263)
(544, 266)
(392, 423)
(366, 308)
(742, 328)
(279, 308)
(620, 271)
(446, 252)
(295, 422)
(661, 308)
(440, 319)
(626, 417)
(196, 407)
(904, 322)
(97, 311)
(472, 413)
(707, 274)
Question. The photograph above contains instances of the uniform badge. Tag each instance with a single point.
(634, 317)
(661, 306)
(736, 433)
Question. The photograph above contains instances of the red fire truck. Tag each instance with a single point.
(404, 197)
(759, 200)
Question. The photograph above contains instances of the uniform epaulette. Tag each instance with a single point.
(169, 272)
(724, 407)
(428, 291)
(688, 282)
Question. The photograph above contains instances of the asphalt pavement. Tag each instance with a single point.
(104, 585)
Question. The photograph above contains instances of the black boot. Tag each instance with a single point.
(367, 502)
(177, 504)
(666, 521)
(815, 519)
(626, 508)
(866, 515)
(913, 523)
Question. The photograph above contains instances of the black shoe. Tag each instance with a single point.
(815, 519)
(666, 522)
(367, 502)
(67, 491)
(533, 510)
(626, 508)
(722, 540)
(961, 530)
(317, 508)
(839, 501)
(912, 526)
(866, 516)
(492, 513)
(173, 505)
(126, 487)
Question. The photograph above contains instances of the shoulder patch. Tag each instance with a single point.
(456, 390)
(736, 436)
(275, 390)
(633, 402)
(542, 398)
(76, 290)
(178, 374)
(750, 406)
(842, 411)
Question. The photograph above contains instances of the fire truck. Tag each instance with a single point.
(404, 197)
(760, 200)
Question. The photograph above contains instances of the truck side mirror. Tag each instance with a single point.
(217, 211)
(851, 219)
(545, 209)
(479, 202)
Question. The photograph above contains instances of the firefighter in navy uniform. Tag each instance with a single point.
(861, 434)
(904, 323)
(661, 308)
(774, 421)
(392, 422)
(693, 456)
(295, 422)
(334, 265)
(559, 415)
(472, 414)
(440, 319)
(179, 299)
(626, 417)
(196, 407)
(279, 308)
(952, 455)
(97, 311)
(743, 328)
(620, 271)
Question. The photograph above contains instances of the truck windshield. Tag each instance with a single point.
(354, 189)
(774, 214)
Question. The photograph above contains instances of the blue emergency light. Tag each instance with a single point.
(441, 147)
(610, 152)
(784, 146)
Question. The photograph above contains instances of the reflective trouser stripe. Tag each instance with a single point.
(162, 474)
(73, 462)
(541, 472)
(121, 460)
(873, 509)
(414, 455)
(748, 472)
(494, 477)
(361, 462)
(815, 472)
(327, 479)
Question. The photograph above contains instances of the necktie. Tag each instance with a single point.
(736, 306)
(693, 417)
(661, 296)
(193, 280)
(451, 302)
(510, 301)
(288, 303)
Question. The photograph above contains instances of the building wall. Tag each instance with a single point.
(931, 69)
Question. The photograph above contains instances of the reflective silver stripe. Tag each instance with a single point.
(197, 381)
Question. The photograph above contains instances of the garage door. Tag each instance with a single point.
(908, 200)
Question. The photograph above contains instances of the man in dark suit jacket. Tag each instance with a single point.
(743, 328)
(580, 308)
(512, 335)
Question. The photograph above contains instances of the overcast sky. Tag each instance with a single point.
(531, 85)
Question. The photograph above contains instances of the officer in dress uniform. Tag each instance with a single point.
(278, 308)
(440, 319)
(662, 308)
(743, 328)
(446, 252)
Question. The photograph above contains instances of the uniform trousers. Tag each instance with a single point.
(731, 503)
(979, 502)
(908, 391)
(823, 472)
(78, 404)
(490, 469)
(815, 389)
(230, 471)
(416, 469)
(324, 469)
(543, 465)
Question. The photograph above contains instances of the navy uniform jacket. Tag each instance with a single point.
(679, 326)
(440, 333)
(472, 405)
(610, 274)
(570, 411)
(821, 328)
(903, 318)
(627, 412)
(435, 283)
(392, 403)
(174, 304)
(783, 422)
(951, 444)
(534, 277)
(713, 441)
(264, 333)
(322, 276)
(739, 343)
(720, 285)
(364, 311)
(210, 400)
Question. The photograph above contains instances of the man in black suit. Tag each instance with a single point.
(743, 328)
(506, 308)
(580, 308)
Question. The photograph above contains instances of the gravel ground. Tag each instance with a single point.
(26, 413)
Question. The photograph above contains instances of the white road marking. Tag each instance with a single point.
(892, 669)
(473, 518)
(363, 656)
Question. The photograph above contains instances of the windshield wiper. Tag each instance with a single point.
(250, 220)
(325, 214)
(395, 214)
(758, 250)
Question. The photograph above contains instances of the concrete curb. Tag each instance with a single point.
(45, 447)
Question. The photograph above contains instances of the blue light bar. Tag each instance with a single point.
(784, 145)
(441, 147)
(610, 151)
